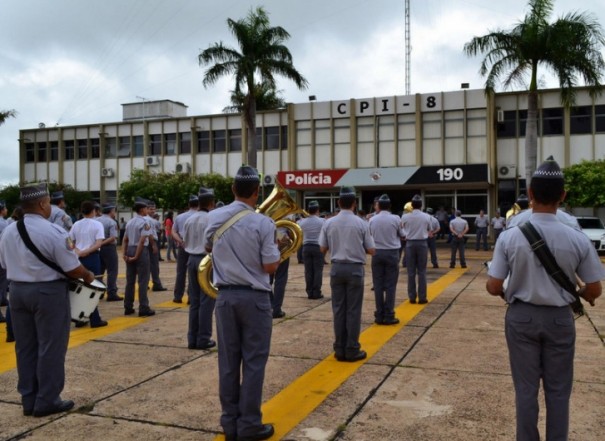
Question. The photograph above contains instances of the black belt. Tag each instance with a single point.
(240, 288)
(310, 244)
(197, 255)
(346, 263)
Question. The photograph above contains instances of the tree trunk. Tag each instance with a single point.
(531, 136)
(250, 118)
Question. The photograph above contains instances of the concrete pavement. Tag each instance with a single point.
(442, 375)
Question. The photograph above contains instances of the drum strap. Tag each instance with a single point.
(28, 242)
(217, 235)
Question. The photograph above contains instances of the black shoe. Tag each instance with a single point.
(391, 321)
(452, 266)
(177, 300)
(159, 288)
(423, 302)
(81, 324)
(4, 303)
(28, 412)
(265, 432)
(463, 266)
(146, 312)
(340, 357)
(413, 301)
(279, 314)
(208, 345)
(10, 338)
(2, 320)
(99, 324)
(361, 355)
(320, 296)
(63, 406)
(230, 437)
(378, 321)
(115, 299)
(435, 265)
(161, 260)
(128, 311)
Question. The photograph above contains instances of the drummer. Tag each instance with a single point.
(40, 303)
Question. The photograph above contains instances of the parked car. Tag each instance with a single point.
(595, 230)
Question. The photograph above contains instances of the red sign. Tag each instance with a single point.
(310, 178)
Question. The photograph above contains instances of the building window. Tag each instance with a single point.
(272, 138)
(95, 148)
(30, 153)
(42, 149)
(552, 121)
(124, 149)
(155, 144)
(82, 149)
(219, 142)
(235, 140)
(69, 150)
(111, 147)
(431, 125)
(599, 118)
(580, 120)
(283, 142)
(203, 141)
(185, 143)
(522, 123)
(508, 127)
(170, 143)
(138, 148)
(54, 150)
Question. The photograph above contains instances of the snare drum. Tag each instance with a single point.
(84, 298)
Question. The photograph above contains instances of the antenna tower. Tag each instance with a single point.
(408, 47)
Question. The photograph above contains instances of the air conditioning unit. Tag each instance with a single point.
(269, 180)
(152, 160)
(107, 172)
(507, 171)
(183, 167)
(500, 116)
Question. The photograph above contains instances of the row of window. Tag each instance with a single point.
(582, 119)
(216, 141)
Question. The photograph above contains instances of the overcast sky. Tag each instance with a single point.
(72, 62)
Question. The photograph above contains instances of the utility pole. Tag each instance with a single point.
(408, 47)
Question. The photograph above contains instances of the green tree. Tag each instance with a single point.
(585, 184)
(5, 114)
(262, 55)
(570, 47)
(267, 98)
(172, 190)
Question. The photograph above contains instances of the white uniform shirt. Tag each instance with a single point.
(385, 228)
(193, 232)
(86, 232)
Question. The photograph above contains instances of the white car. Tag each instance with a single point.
(595, 230)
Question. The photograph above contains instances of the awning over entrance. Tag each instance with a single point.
(377, 177)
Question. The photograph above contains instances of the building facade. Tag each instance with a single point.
(460, 149)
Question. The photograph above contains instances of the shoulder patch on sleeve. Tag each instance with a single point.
(147, 227)
(69, 244)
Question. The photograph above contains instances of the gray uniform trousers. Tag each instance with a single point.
(385, 273)
(279, 281)
(481, 237)
(201, 306)
(346, 281)
(457, 245)
(3, 287)
(41, 320)
(181, 273)
(243, 324)
(541, 344)
(314, 266)
(154, 267)
(416, 252)
(109, 263)
(432, 244)
(134, 270)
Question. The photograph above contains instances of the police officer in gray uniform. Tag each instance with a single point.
(40, 303)
(109, 252)
(58, 215)
(385, 228)
(136, 256)
(154, 248)
(244, 253)
(539, 324)
(458, 228)
(182, 257)
(481, 225)
(348, 239)
(3, 279)
(312, 256)
(416, 226)
(432, 239)
(201, 306)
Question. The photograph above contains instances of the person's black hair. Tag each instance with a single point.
(384, 205)
(314, 210)
(87, 207)
(547, 191)
(245, 189)
(416, 205)
(346, 202)
(194, 203)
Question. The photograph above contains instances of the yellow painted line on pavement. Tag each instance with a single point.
(301, 397)
(171, 304)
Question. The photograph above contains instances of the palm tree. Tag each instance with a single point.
(261, 56)
(267, 98)
(5, 114)
(570, 47)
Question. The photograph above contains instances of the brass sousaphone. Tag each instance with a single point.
(278, 205)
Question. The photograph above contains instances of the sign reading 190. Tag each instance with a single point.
(448, 174)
